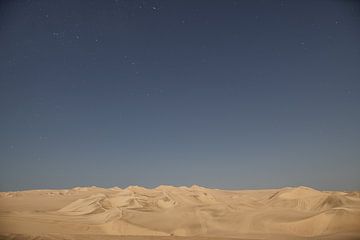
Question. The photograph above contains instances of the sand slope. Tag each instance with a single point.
(167, 212)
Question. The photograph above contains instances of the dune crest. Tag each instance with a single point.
(181, 211)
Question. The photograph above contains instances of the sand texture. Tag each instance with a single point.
(166, 212)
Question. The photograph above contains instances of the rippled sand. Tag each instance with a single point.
(168, 212)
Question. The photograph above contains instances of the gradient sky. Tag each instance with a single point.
(225, 94)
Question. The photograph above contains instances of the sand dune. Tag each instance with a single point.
(169, 212)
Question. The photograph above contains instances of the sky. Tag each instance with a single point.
(223, 94)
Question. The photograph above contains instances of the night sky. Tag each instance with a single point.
(224, 94)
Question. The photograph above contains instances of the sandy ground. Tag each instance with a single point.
(169, 213)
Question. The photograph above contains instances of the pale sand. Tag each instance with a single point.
(166, 212)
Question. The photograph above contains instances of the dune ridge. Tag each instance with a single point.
(296, 212)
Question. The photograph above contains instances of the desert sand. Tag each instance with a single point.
(167, 212)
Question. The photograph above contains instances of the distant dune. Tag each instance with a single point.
(168, 212)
